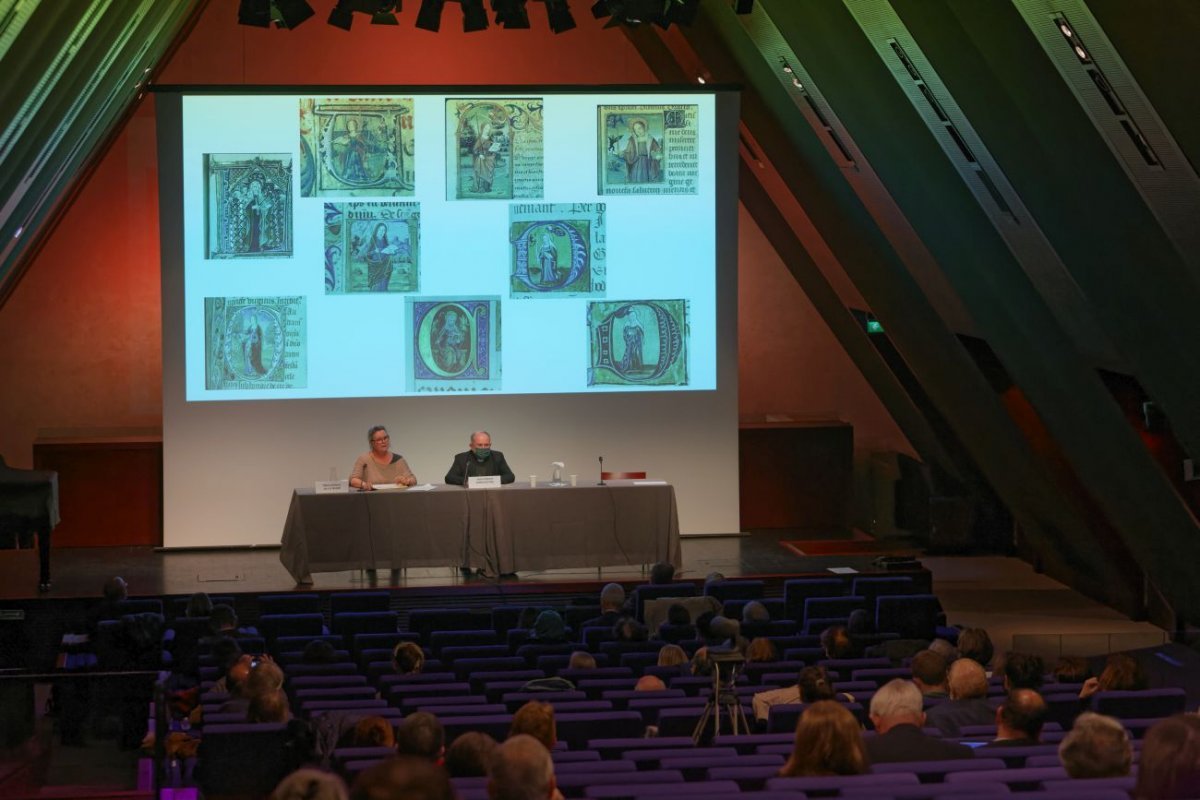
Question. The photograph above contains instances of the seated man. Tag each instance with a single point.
(1020, 718)
(522, 770)
(479, 461)
(898, 719)
(968, 703)
(1097, 747)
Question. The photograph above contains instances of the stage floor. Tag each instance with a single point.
(80, 572)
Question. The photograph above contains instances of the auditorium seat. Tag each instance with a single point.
(241, 759)
(273, 626)
(494, 725)
(532, 651)
(614, 767)
(1019, 756)
(831, 608)
(620, 698)
(442, 639)
(696, 768)
(797, 590)
(706, 789)
(933, 771)
(616, 747)
(312, 708)
(580, 785)
(464, 667)
(574, 756)
(341, 602)
(410, 704)
(480, 680)
(931, 791)
(332, 693)
(775, 606)
(871, 588)
(397, 693)
(823, 784)
(349, 624)
(1017, 778)
(577, 728)
(296, 603)
(726, 590)
(912, 616)
(514, 700)
(770, 628)
(651, 591)
(380, 641)
(424, 621)
(1143, 703)
(1090, 787)
(453, 653)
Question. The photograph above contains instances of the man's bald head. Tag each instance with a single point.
(521, 770)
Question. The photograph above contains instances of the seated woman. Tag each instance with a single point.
(828, 742)
(812, 685)
(380, 466)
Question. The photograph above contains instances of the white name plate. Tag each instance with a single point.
(331, 487)
(483, 481)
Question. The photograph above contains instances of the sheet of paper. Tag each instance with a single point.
(422, 487)
(649, 483)
(388, 487)
(843, 570)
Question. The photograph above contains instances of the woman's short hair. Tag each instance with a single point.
(974, 643)
(762, 649)
(408, 658)
(536, 719)
(1096, 747)
(1170, 762)
(310, 784)
(374, 732)
(671, 655)
(814, 685)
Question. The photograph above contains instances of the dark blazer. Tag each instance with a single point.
(909, 743)
(949, 717)
(494, 465)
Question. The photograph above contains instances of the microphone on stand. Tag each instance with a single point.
(467, 469)
(601, 483)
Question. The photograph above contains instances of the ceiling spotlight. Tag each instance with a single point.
(292, 12)
(560, 16)
(511, 13)
(342, 15)
(429, 18)
(255, 12)
(475, 17)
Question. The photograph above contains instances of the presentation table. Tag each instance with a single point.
(498, 530)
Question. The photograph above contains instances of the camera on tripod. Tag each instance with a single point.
(726, 664)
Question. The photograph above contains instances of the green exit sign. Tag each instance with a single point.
(874, 326)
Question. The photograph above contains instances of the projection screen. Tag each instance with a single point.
(554, 266)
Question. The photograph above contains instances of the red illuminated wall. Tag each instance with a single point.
(80, 336)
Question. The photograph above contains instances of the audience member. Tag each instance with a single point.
(812, 685)
(265, 676)
(549, 628)
(725, 633)
(703, 623)
(677, 614)
(836, 642)
(1122, 673)
(828, 742)
(1020, 718)
(1170, 763)
(114, 592)
(650, 683)
(236, 678)
(929, 672)
(944, 649)
(975, 644)
(403, 778)
(1023, 671)
(612, 607)
(1096, 747)
(581, 659)
(535, 719)
(310, 784)
(714, 576)
(898, 719)
(1071, 669)
(269, 707)
(661, 573)
(226, 652)
(702, 664)
(198, 605)
(968, 703)
(223, 621)
(761, 649)
(408, 658)
(421, 735)
(319, 651)
(629, 629)
(469, 755)
(755, 611)
(672, 655)
(522, 770)
(373, 732)
(860, 623)
(527, 617)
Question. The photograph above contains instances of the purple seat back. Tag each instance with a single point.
(1145, 703)
(932, 770)
(1017, 778)
(577, 785)
(494, 725)
(797, 590)
(351, 623)
(480, 680)
(440, 639)
(695, 768)
(617, 747)
(843, 782)
(1085, 787)
(577, 728)
(241, 758)
(340, 602)
(1018, 756)
(704, 788)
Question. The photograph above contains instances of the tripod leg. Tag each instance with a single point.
(698, 731)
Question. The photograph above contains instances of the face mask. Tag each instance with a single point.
(482, 453)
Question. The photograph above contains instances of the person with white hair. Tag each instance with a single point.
(896, 712)
(612, 607)
(1097, 747)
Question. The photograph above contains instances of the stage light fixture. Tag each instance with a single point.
(383, 14)
(511, 13)
(560, 16)
(429, 17)
(680, 12)
(475, 17)
(601, 9)
(342, 15)
(292, 12)
(256, 13)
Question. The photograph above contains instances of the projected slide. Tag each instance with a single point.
(424, 244)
